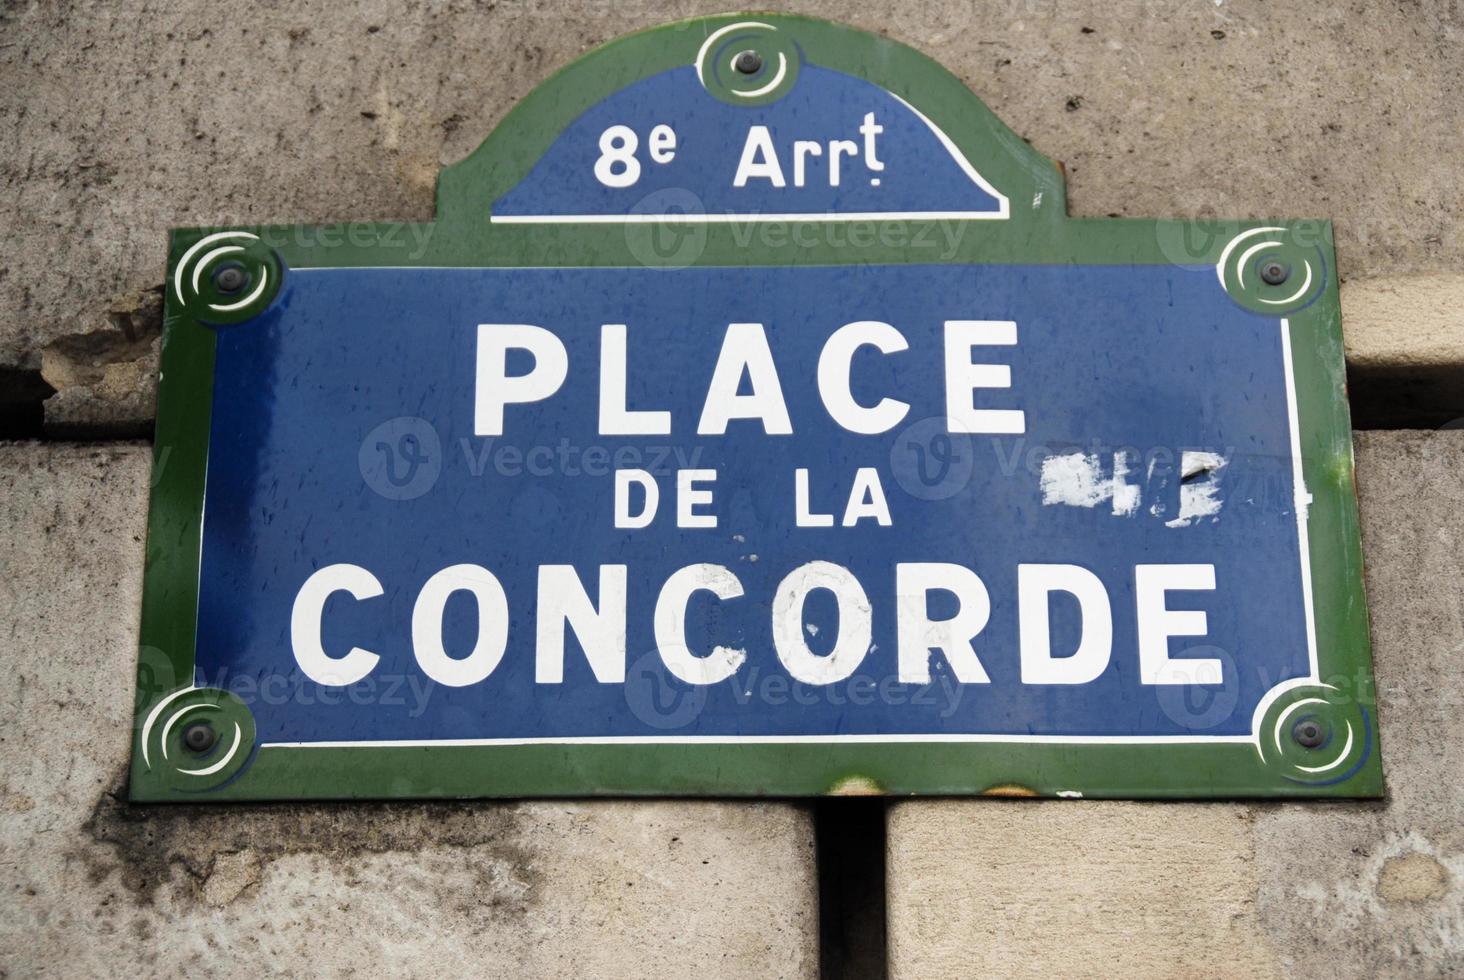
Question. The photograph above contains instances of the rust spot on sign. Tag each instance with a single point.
(1009, 790)
(856, 786)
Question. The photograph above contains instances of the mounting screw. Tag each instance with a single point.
(230, 279)
(1308, 733)
(748, 62)
(1274, 273)
(199, 737)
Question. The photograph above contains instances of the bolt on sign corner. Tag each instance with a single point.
(752, 419)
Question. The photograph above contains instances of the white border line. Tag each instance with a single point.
(1302, 501)
(714, 219)
(423, 743)
(1004, 211)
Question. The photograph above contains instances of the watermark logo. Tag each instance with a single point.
(930, 463)
(401, 458)
(658, 701)
(660, 235)
(1200, 707)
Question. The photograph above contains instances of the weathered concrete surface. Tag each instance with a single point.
(1071, 889)
(1015, 889)
(1379, 891)
(90, 886)
(1405, 349)
(106, 381)
(1404, 321)
(119, 121)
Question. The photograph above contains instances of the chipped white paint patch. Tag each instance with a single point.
(1077, 480)
(1070, 794)
(1193, 463)
(1199, 493)
(1125, 494)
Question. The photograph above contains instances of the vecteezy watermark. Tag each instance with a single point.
(929, 462)
(404, 458)
(1200, 239)
(658, 701)
(410, 239)
(670, 229)
(567, 458)
(942, 693)
(156, 676)
(666, 704)
(401, 458)
(1196, 706)
(938, 239)
(410, 692)
(667, 229)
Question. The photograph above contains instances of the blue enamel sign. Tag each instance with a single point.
(514, 485)
(760, 425)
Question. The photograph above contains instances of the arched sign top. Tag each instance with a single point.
(833, 147)
(742, 118)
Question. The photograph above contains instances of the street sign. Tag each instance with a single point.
(753, 419)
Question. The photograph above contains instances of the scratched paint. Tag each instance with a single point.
(1199, 489)
(1078, 480)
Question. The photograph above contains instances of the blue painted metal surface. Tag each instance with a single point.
(346, 434)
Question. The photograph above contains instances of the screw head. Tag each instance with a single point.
(748, 62)
(1274, 273)
(199, 737)
(1308, 733)
(230, 279)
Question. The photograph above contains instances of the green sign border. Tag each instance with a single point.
(1038, 231)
